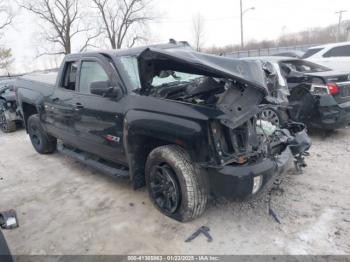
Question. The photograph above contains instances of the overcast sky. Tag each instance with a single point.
(270, 19)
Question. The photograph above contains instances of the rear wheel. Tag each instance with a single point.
(6, 125)
(42, 142)
(176, 186)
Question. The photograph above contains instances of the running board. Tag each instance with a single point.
(98, 164)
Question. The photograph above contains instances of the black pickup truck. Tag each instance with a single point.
(184, 123)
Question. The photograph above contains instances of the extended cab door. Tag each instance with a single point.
(100, 124)
(60, 114)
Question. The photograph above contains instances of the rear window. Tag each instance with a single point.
(338, 51)
(311, 52)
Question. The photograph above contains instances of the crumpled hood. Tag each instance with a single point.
(152, 60)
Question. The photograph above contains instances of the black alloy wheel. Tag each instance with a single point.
(164, 188)
(35, 136)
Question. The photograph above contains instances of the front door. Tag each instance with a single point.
(100, 124)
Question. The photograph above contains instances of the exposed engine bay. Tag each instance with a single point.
(238, 133)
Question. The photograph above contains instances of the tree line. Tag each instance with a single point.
(311, 36)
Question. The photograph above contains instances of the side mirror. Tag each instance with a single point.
(104, 88)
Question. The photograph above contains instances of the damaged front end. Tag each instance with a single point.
(246, 152)
(250, 157)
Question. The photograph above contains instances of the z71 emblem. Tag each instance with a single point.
(112, 138)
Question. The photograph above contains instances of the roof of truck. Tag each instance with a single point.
(131, 51)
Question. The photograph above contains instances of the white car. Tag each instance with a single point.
(335, 56)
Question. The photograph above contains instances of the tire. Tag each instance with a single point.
(42, 142)
(278, 118)
(6, 125)
(187, 185)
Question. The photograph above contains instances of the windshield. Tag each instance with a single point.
(311, 52)
(304, 66)
(130, 66)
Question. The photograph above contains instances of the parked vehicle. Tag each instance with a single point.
(335, 56)
(319, 96)
(9, 117)
(291, 53)
(181, 122)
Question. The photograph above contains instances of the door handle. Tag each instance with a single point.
(78, 106)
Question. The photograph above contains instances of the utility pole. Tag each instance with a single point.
(242, 12)
(241, 8)
(340, 13)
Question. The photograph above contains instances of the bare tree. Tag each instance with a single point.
(198, 31)
(6, 16)
(64, 19)
(119, 19)
(6, 19)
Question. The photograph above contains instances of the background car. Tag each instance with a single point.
(335, 56)
(293, 53)
(319, 96)
(9, 117)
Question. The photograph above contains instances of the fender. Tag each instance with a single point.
(144, 131)
(190, 134)
(30, 97)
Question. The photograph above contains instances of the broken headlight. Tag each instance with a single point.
(236, 145)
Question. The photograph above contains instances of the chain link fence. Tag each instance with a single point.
(269, 51)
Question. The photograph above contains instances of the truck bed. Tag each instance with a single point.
(31, 85)
(45, 78)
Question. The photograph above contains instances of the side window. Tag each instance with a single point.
(70, 76)
(339, 51)
(311, 52)
(131, 67)
(91, 72)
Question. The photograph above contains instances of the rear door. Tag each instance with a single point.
(60, 110)
(100, 124)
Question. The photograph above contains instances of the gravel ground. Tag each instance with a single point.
(67, 208)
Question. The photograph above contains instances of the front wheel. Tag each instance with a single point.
(176, 186)
(42, 142)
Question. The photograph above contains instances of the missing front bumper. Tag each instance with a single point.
(237, 182)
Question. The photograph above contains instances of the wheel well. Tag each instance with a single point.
(28, 110)
(2, 100)
(139, 150)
